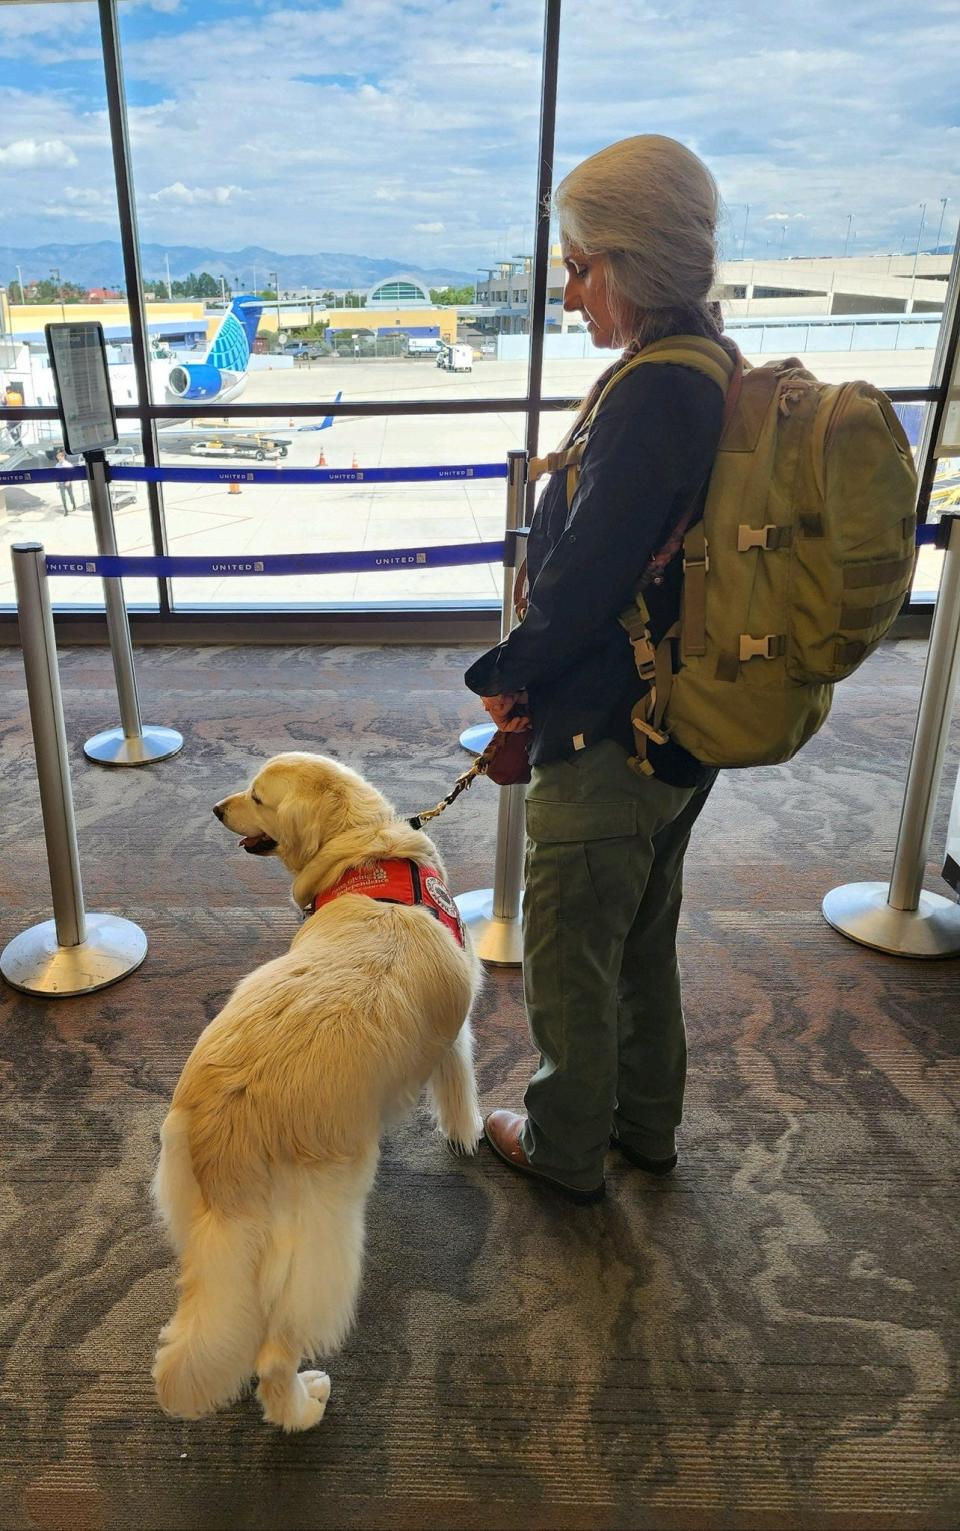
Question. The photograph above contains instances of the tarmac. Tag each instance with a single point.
(209, 520)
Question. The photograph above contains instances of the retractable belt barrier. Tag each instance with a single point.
(114, 566)
(900, 916)
(494, 914)
(75, 952)
(140, 474)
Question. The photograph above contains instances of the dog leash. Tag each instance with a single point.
(508, 772)
(466, 779)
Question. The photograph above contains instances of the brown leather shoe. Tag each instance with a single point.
(503, 1129)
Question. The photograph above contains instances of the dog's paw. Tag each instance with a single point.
(295, 1402)
(316, 1386)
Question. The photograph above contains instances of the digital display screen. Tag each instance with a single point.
(79, 360)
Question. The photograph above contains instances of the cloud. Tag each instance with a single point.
(851, 112)
(189, 196)
(65, 211)
(89, 196)
(31, 154)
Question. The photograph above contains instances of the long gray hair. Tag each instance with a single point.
(649, 206)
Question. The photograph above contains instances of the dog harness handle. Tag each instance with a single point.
(397, 882)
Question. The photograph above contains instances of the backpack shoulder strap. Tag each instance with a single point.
(692, 351)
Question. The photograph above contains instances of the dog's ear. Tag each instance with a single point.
(307, 816)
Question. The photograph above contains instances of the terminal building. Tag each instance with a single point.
(745, 288)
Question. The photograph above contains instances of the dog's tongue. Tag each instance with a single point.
(258, 845)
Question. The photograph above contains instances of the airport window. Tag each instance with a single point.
(303, 247)
(62, 262)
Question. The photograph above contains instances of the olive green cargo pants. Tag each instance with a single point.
(604, 872)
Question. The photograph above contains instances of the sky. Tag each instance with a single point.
(408, 128)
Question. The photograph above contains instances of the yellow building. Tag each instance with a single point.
(165, 321)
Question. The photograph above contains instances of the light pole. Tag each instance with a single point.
(743, 236)
(916, 256)
(166, 261)
(846, 241)
(223, 292)
(783, 239)
(276, 289)
(923, 219)
(23, 295)
(55, 276)
(943, 209)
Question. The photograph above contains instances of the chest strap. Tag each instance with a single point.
(397, 882)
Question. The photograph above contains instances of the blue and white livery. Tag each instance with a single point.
(222, 374)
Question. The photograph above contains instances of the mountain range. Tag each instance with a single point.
(101, 265)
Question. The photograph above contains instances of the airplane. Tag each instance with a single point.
(222, 374)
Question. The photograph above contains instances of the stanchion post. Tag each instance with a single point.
(900, 917)
(493, 914)
(131, 744)
(74, 952)
(478, 735)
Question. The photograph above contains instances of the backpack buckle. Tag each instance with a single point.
(697, 563)
(765, 537)
(769, 647)
(657, 735)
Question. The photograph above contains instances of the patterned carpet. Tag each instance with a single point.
(762, 1343)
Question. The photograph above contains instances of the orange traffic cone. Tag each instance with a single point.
(321, 460)
(234, 487)
(354, 464)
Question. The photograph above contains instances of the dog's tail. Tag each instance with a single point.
(208, 1349)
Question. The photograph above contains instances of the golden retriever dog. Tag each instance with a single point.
(270, 1146)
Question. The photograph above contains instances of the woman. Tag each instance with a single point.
(606, 844)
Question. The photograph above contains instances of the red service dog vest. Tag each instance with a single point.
(398, 882)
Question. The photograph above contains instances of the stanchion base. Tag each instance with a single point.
(860, 910)
(476, 738)
(495, 940)
(35, 963)
(112, 747)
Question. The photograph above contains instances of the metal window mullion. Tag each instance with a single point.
(541, 249)
(130, 241)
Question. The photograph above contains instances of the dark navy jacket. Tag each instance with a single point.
(649, 454)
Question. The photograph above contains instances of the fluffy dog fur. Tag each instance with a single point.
(270, 1147)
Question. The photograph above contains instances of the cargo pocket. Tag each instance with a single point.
(558, 823)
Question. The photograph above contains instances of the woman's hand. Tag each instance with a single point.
(500, 708)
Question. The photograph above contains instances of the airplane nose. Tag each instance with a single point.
(219, 810)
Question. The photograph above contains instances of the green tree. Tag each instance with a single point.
(447, 296)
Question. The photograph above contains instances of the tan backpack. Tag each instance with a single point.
(796, 571)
